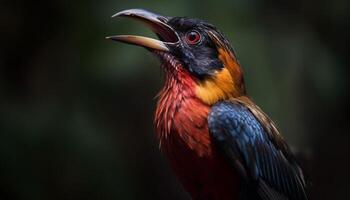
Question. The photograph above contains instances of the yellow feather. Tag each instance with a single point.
(221, 85)
(213, 89)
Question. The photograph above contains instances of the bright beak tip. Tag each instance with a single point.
(121, 13)
(109, 38)
(113, 38)
(115, 15)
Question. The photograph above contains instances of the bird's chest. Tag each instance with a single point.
(182, 126)
(183, 134)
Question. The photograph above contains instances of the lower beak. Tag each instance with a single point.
(146, 42)
(158, 24)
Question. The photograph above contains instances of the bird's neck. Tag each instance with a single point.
(179, 92)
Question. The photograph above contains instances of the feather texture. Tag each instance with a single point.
(261, 156)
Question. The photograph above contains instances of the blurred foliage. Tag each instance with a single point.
(76, 110)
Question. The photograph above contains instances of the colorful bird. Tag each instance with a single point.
(220, 144)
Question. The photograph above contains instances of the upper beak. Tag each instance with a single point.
(158, 24)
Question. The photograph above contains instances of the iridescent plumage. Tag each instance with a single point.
(220, 144)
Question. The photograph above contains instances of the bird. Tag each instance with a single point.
(219, 143)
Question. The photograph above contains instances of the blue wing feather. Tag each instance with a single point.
(244, 140)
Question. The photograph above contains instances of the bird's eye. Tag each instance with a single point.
(193, 37)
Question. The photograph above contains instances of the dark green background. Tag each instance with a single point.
(76, 110)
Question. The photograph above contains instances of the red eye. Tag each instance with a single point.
(193, 37)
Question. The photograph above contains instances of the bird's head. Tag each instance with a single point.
(192, 47)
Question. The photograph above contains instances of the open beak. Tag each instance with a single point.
(167, 36)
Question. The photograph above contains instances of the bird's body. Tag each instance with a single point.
(220, 144)
(182, 128)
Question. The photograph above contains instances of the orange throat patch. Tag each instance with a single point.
(225, 84)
